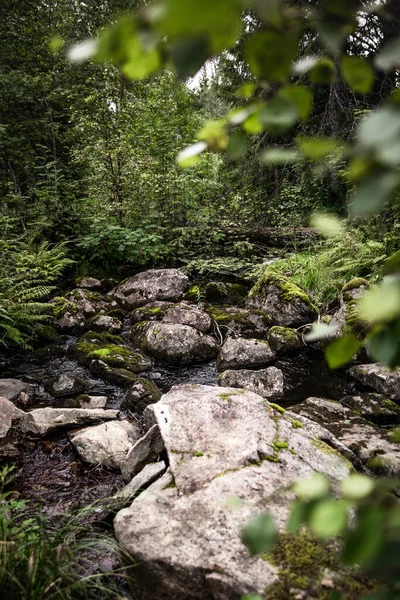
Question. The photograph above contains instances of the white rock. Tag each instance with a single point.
(41, 421)
(144, 451)
(147, 475)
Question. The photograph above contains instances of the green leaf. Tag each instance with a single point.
(190, 156)
(357, 486)
(380, 127)
(362, 544)
(382, 303)
(357, 74)
(270, 54)
(279, 156)
(384, 345)
(251, 597)
(253, 124)
(323, 72)
(300, 96)
(246, 90)
(237, 145)
(372, 193)
(341, 351)
(316, 148)
(388, 58)
(188, 55)
(328, 518)
(296, 518)
(260, 534)
(278, 115)
(327, 225)
(311, 488)
(336, 595)
(82, 51)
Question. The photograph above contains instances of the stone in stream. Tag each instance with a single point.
(185, 314)
(106, 323)
(65, 385)
(223, 445)
(268, 383)
(145, 450)
(8, 413)
(374, 407)
(146, 476)
(239, 321)
(148, 286)
(140, 394)
(87, 401)
(380, 378)
(12, 388)
(42, 421)
(285, 303)
(375, 447)
(238, 353)
(153, 311)
(283, 339)
(175, 344)
(106, 444)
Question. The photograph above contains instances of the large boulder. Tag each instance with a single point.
(220, 292)
(222, 445)
(238, 353)
(176, 344)
(380, 378)
(89, 283)
(285, 303)
(41, 421)
(106, 444)
(185, 314)
(8, 413)
(12, 388)
(268, 383)
(240, 321)
(145, 450)
(148, 286)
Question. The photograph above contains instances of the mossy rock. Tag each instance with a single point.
(47, 334)
(153, 311)
(61, 306)
(121, 377)
(110, 350)
(141, 393)
(241, 321)
(48, 353)
(196, 293)
(353, 284)
(285, 302)
(219, 292)
(307, 564)
(283, 339)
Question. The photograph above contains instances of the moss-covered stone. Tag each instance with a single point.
(289, 291)
(61, 306)
(219, 292)
(354, 283)
(246, 323)
(47, 334)
(283, 339)
(141, 393)
(306, 563)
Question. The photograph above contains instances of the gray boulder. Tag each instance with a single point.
(145, 450)
(380, 378)
(65, 385)
(239, 321)
(89, 283)
(87, 401)
(106, 444)
(12, 388)
(285, 303)
(153, 311)
(238, 353)
(184, 314)
(146, 476)
(177, 344)
(106, 323)
(374, 407)
(148, 286)
(186, 539)
(41, 421)
(283, 339)
(268, 383)
(8, 413)
(140, 394)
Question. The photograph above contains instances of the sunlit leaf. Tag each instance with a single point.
(320, 331)
(380, 127)
(82, 51)
(55, 43)
(382, 303)
(316, 148)
(305, 64)
(327, 225)
(357, 486)
(341, 351)
(190, 156)
(278, 115)
(300, 96)
(357, 74)
(270, 54)
(253, 124)
(323, 72)
(260, 534)
(215, 134)
(311, 488)
(246, 90)
(279, 156)
(388, 58)
(328, 518)
(373, 191)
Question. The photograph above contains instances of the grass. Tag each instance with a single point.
(70, 561)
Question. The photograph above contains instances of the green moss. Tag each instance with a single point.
(394, 436)
(280, 409)
(193, 293)
(47, 333)
(285, 334)
(289, 292)
(303, 561)
(297, 424)
(353, 284)
(102, 337)
(228, 397)
(326, 449)
(198, 453)
(62, 306)
(281, 445)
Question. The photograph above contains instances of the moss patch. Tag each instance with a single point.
(304, 562)
(289, 292)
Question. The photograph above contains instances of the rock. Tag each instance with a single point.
(70, 323)
(283, 339)
(41, 421)
(240, 321)
(121, 377)
(72, 311)
(285, 303)
(106, 444)
(65, 385)
(109, 349)
(155, 284)
(177, 344)
(86, 401)
(89, 283)
(8, 413)
(46, 334)
(353, 289)
(184, 314)
(155, 488)
(219, 292)
(268, 383)
(380, 378)
(149, 417)
(106, 323)
(144, 451)
(89, 303)
(239, 353)
(322, 411)
(146, 476)
(374, 407)
(186, 540)
(140, 394)
(11, 388)
(153, 311)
